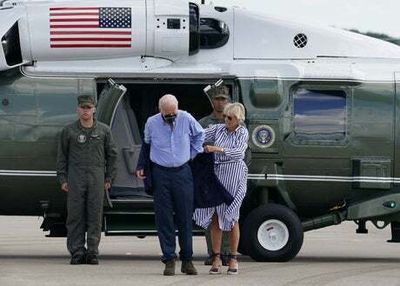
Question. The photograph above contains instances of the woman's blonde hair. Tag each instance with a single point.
(235, 109)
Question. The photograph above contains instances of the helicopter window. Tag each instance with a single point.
(32, 107)
(11, 46)
(56, 101)
(265, 94)
(213, 33)
(319, 115)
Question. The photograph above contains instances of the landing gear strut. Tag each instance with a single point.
(395, 227)
(362, 228)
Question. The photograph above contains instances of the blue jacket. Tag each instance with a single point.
(208, 190)
(144, 163)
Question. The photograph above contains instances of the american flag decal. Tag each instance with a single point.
(90, 27)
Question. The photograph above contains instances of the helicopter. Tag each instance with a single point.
(322, 110)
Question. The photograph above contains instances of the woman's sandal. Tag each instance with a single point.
(217, 269)
(232, 271)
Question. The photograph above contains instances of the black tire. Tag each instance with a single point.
(267, 219)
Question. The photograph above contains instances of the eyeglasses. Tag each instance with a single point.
(228, 117)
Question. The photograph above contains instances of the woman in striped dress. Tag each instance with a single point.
(229, 146)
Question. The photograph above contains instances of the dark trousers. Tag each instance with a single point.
(85, 210)
(173, 200)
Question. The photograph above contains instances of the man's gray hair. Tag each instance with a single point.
(167, 100)
(235, 109)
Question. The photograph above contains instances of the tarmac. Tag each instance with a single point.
(331, 256)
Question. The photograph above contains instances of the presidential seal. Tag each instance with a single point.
(81, 138)
(263, 136)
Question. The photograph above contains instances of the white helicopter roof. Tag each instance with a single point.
(262, 36)
(258, 45)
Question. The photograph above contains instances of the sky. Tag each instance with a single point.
(381, 16)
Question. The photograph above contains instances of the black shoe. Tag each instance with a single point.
(233, 270)
(216, 264)
(92, 259)
(78, 259)
(169, 268)
(188, 268)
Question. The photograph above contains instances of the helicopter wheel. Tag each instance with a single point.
(273, 233)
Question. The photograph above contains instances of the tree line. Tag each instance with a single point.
(379, 36)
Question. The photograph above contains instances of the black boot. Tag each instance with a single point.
(169, 268)
(78, 259)
(188, 268)
(92, 259)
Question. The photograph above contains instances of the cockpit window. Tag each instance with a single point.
(213, 33)
(11, 46)
(319, 115)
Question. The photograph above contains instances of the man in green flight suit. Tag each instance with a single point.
(220, 98)
(85, 169)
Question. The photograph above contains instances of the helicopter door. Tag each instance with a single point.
(108, 101)
(126, 202)
(114, 110)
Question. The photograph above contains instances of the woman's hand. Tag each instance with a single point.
(64, 187)
(213, 149)
(140, 174)
(107, 186)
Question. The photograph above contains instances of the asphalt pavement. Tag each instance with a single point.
(331, 256)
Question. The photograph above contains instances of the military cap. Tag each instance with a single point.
(221, 91)
(85, 100)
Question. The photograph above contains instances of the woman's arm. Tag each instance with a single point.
(237, 151)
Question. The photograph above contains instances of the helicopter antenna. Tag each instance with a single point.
(212, 86)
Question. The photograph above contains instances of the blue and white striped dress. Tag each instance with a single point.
(231, 170)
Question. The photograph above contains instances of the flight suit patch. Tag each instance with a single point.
(81, 138)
